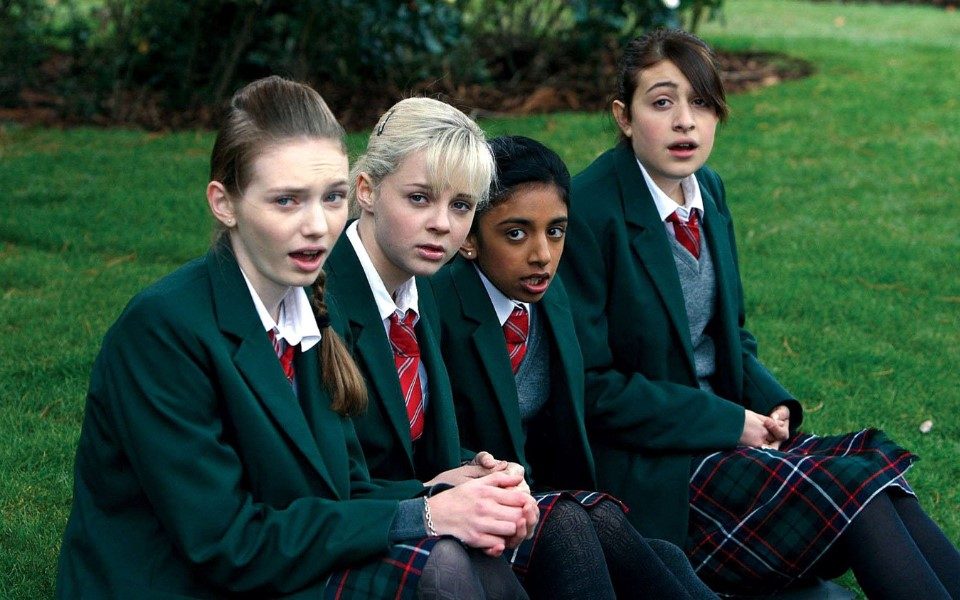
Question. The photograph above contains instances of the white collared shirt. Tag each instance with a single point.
(501, 303)
(666, 206)
(406, 295)
(297, 324)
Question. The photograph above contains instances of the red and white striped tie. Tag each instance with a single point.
(406, 357)
(284, 352)
(687, 232)
(515, 330)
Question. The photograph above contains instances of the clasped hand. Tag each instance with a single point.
(482, 464)
(761, 431)
(489, 507)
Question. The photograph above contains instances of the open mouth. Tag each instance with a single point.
(684, 146)
(536, 284)
(537, 279)
(307, 260)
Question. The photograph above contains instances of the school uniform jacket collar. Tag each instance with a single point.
(366, 328)
(652, 247)
(257, 362)
(478, 310)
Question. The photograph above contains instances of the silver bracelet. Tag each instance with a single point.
(431, 530)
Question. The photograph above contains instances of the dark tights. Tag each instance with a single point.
(595, 553)
(567, 561)
(896, 552)
(454, 572)
(637, 563)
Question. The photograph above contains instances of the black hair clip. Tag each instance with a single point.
(323, 322)
(384, 122)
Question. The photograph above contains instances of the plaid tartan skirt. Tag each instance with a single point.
(395, 575)
(520, 556)
(760, 518)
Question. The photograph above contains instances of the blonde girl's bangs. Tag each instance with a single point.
(462, 163)
(455, 149)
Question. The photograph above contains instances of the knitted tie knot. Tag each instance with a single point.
(515, 330)
(402, 336)
(284, 352)
(687, 232)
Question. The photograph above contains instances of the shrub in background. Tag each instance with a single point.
(22, 46)
(167, 64)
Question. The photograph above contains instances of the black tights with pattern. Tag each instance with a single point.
(595, 553)
(455, 572)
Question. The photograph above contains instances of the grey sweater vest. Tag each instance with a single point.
(698, 280)
(533, 376)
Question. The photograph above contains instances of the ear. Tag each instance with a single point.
(470, 249)
(365, 192)
(221, 205)
(622, 116)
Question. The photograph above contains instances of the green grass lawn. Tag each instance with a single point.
(843, 185)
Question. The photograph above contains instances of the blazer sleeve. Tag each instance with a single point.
(624, 409)
(158, 393)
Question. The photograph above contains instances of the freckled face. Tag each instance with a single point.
(519, 241)
(289, 216)
(407, 227)
(671, 128)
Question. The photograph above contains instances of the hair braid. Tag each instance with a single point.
(340, 374)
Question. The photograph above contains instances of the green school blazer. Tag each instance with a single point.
(198, 474)
(384, 430)
(557, 454)
(646, 414)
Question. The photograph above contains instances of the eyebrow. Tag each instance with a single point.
(299, 190)
(518, 221)
(426, 187)
(668, 84)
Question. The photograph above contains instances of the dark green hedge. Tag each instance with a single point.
(164, 64)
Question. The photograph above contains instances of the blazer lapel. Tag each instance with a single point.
(490, 345)
(560, 326)
(559, 321)
(255, 358)
(715, 227)
(324, 423)
(371, 345)
(651, 245)
(442, 437)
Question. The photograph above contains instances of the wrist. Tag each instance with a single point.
(428, 519)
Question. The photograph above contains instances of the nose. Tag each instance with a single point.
(315, 220)
(439, 219)
(539, 251)
(683, 118)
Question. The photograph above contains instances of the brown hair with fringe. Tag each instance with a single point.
(689, 53)
(262, 115)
